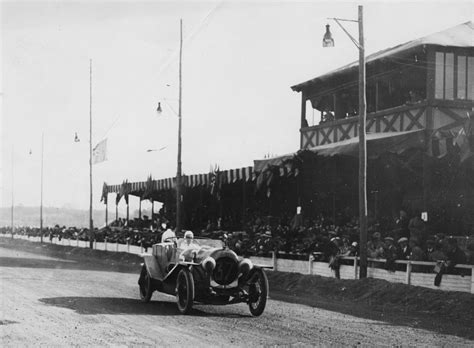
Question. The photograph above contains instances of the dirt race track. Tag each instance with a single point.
(51, 301)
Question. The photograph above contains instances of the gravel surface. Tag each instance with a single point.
(49, 299)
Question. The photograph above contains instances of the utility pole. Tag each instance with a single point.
(178, 173)
(362, 151)
(91, 223)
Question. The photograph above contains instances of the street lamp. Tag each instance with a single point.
(159, 110)
(329, 42)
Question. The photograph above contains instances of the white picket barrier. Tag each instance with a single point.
(450, 282)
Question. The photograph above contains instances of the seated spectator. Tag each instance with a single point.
(375, 246)
(437, 254)
(455, 254)
(470, 254)
(404, 250)
(390, 253)
(429, 248)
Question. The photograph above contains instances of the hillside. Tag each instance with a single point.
(30, 216)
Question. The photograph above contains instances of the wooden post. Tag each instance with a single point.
(408, 273)
(310, 264)
(128, 210)
(105, 243)
(140, 209)
(106, 212)
(274, 261)
(116, 210)
(355, 267)
(472, 280)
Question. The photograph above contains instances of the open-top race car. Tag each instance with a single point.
(203, 271)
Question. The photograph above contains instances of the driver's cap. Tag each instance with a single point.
(188, 234)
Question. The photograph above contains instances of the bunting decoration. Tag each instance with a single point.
(105, 191)
(464, 140)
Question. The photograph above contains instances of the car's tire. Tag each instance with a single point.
(258, 291)
(145, 285)
(184, 291)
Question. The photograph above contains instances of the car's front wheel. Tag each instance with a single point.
(184, 291)
(145, 286)
(258, 291)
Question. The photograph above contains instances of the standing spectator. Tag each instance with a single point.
(416, 228)
(402, 225)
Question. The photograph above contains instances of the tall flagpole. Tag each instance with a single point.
(178, 174)
(13, 189)
(91, 224)
(41, 202)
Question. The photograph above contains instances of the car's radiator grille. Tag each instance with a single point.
(226, 271)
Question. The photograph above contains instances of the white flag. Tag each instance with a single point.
(99, 153)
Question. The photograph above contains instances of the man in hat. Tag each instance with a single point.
(390, 253)
(404, 249)
(429, 248)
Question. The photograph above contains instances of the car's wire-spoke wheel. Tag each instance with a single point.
(145, 286)
(184, 291)
(258, 291)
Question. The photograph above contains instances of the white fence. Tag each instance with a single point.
(449, 282)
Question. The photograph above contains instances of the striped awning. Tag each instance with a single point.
(225, 177)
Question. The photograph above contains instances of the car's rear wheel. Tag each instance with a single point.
(184, 291)
(258, 291)
(145, 286)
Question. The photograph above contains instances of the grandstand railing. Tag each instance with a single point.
(406, 271)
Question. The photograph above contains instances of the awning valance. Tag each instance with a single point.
(377, 144)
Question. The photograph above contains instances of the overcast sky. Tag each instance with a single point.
(239, 61)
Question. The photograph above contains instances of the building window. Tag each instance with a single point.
(470, 78)
(449, 66)
(461, 77)
(439, 76)
(449, 76)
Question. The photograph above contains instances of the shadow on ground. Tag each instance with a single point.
(117, 305)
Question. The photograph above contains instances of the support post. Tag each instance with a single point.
(408, 273)
(310, 264)
(140, 208)
(106, 212)
(274, 261)
(356, 271)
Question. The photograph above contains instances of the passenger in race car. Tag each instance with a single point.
(168, 236)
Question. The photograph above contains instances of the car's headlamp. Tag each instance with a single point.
(245, 266)
(209, 264)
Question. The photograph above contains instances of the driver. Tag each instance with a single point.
(188, 242)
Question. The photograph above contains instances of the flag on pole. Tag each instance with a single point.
(99, 153)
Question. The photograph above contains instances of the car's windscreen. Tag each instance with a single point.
(214, 243)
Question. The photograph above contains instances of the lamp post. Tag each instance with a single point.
(329, 42)
(91, 222)
(179, 164)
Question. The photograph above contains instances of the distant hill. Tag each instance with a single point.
(30, 216)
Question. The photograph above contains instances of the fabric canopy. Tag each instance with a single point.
(377, 144)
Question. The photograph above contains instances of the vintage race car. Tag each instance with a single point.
(205, 271)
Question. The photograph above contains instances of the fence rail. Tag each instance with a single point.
(450, 282)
